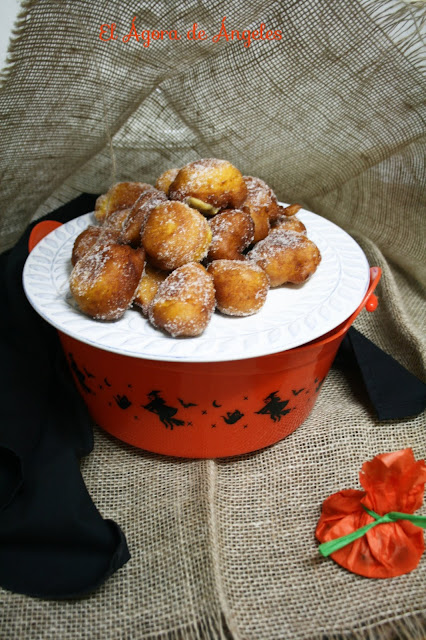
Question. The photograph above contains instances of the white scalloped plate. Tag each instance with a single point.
(291, 316)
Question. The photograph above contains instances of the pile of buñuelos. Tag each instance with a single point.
(203, 237)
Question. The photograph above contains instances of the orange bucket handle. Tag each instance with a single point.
(370, 301)
(40, 231)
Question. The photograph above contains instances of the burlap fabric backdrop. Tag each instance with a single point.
(330, 116)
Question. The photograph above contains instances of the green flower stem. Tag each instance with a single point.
(327, 548)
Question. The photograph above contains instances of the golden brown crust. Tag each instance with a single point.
(286, 256)
(148, 286)
(213, 181)
(232, 232)
(288, 224)
(262, 225)
(174, 235)
(101, 206)
(84, 242)
(205, 211)
(261, 203)
(122, 195)
(104, 281)
(291, 210)
(184, 302)
(241, 286)
(93, 237)
(165, 180)
(138, 216)
(116, 220)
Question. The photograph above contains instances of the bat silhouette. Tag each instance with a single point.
(186, 404)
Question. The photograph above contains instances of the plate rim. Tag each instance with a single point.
(175, 358)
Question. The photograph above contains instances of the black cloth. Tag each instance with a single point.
(394, 392)
(53, 541)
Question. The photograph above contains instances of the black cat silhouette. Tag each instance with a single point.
(233, 417)
(122, 401)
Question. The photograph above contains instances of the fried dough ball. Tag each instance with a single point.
(241, 286)
(104, 281)
(262, 204)
(148, 286)
(116, 220)
(289, 224)
(175, 234)
(91, 237)
(232, 232)
(209, 185)
(84, 242)
(286, 256)
(165, 180)
(138, 215)
(122, 195)
(184, 302)
(262, 225)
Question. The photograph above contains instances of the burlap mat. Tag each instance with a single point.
(330, 116)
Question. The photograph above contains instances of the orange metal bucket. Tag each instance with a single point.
(205, 410)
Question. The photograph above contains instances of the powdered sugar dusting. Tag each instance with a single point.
(105, 280)
(177, 235)
(233, 231)
(165, 179)
(88, 270)
(259, 194)
(190, 285)
(220, 226)
(212, 181)
(278, 239)
(187, 284)
(289, 224)
(118, 312)
(200, 175)
(238, 291)
(287, 257)
(238, 265)
(139, 214)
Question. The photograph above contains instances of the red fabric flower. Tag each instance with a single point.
(392, 482)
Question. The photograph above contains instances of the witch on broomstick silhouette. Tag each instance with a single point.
(164, 412)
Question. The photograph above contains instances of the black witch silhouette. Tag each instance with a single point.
(164, 412)
(275, 406)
